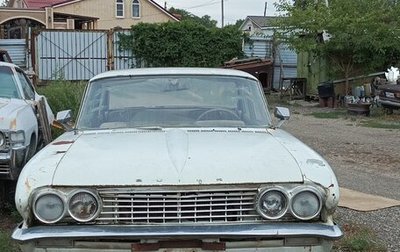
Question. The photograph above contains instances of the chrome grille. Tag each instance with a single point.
(192, 206)
(4, 168)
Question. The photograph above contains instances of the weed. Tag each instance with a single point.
(6, 243)
(358, 238)
(329, 115)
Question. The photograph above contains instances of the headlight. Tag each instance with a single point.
(83, 206)
(272, 203)
(2, 139)
(49, 207)
(17, 138)
(306, 204)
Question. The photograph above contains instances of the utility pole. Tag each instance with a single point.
(222, 13)
(265, 9)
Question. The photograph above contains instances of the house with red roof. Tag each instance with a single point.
(83, 14)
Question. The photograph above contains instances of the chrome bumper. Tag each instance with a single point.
(273, 230)
(389, 103)
(12, 162)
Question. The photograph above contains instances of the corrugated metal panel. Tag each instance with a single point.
(123, 59)
(288, 72)
(288, 58)
(258, 48)
(16, 49)
(71, 55)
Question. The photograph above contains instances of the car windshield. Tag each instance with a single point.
(8, 88)
(173, 101)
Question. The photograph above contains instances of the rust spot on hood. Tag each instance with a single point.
(27, 185)
(13, 124)
(62, 142)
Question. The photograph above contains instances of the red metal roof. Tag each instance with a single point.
(37, 4)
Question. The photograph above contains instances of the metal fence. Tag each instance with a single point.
(16, 48)
(78, 55)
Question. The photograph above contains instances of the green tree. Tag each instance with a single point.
(187, 16)
(356, 34)
(182, 44)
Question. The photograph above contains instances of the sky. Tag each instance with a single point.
(233, 9)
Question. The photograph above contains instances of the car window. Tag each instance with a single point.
(8, 88)
(169, 101)
(27, 88)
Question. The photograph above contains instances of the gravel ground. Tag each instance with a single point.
(364, 159)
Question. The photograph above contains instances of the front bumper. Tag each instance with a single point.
(12, 162)
(393, 104)
(245, 237)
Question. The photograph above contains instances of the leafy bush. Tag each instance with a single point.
(182, 44)
(62, 95)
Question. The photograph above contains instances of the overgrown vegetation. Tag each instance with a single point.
(186, 15)
(352, 35)
(63, 95)
(182, 44)
(358, 238)
(6, 243)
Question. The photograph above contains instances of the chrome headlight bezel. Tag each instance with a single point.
(91, 193)
(265, 191)
(300, 190)
(290, 192)
(17, 138)
(44, 193)
(2, 140)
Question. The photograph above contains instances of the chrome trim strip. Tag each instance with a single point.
(152, 232)
(391, 103)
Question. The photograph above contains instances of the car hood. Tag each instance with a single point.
(176, 156)
(9, 108)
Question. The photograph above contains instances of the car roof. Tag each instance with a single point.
(174, 71)
(2, 63)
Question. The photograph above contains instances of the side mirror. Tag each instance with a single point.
(283, 114)
(63, 120)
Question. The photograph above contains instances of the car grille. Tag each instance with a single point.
(4, 168)
(165, 207)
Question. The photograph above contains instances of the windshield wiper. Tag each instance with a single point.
(149, 128)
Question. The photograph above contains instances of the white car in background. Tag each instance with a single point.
(19, 131)
(176, 159)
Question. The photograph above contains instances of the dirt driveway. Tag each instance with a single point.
(364, 159)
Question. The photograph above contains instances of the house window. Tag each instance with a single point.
(135, 8)
(119, 8)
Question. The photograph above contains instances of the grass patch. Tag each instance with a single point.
(358, 238)
(380, 124)
(63, 95)
(330, 115)
(6, 244)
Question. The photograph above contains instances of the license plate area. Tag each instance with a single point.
(179, 246)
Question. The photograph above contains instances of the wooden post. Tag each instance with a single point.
(110, 49)
(43, 122)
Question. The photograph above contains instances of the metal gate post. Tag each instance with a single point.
(110, 49)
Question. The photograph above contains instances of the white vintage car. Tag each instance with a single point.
(176, 159)
(19, 132)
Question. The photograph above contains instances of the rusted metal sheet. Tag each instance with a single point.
(70, 55)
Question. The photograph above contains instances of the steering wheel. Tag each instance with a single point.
(218, 114)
